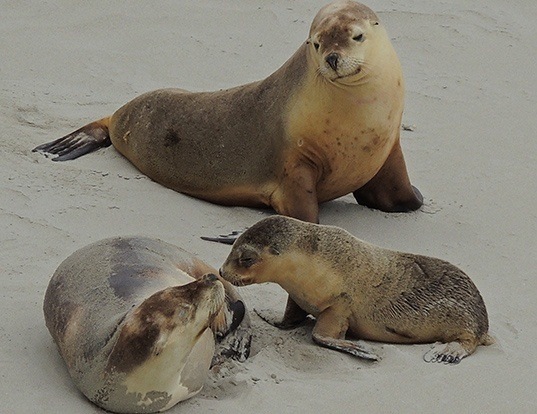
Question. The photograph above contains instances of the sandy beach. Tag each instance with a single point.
(471, 80)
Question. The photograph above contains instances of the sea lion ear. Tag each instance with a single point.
(273, 250)
(308, 41)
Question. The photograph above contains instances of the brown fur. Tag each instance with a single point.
(115, 306)
(354, 287)
(306, 134)
(160, 313)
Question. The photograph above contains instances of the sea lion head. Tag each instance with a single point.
(344, 41)
(178, 312)
(163, 350)
(254, 256)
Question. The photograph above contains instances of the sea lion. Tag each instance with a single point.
(323, 125)
(354, 287)
(133, 319)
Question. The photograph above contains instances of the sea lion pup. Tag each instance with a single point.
(323, 125)
(354, 287)
(133, 319)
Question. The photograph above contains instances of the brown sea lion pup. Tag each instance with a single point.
(134, 319)
(354, 287)
(323, 125)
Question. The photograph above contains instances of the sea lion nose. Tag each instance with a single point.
(210, 278)
(332, 60)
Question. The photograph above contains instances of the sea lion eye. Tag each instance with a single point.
(316, 46)
(246, 261)
(359, 38)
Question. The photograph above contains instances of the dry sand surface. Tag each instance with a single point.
(471, 74)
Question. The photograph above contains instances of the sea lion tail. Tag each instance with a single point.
(80, 142)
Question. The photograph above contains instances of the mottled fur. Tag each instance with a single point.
(131, 318)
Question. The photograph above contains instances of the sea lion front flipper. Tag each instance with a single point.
(236, 344)
(390, 189)
(329, 331)
(355, 348)
(225, 238)
(80, 142)
(236, 338)
(293, 316)
(297, 194)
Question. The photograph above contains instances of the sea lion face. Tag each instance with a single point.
(257, 255)
(187, 309)
(165, 347)
(341, 37)
(244, 265)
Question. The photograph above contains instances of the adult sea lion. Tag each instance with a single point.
(323, 125)
(133, 319)
(354, 287)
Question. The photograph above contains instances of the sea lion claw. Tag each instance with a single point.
(449, 354)
(236, 344)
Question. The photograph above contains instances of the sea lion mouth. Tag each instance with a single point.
(234, 279)
(240, 282)
(335, 75)
(244, 281)
(354, 73)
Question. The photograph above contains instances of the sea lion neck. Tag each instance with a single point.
(290, 76)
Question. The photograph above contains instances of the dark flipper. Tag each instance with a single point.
(225, 238)
(330, 329)
(83, 141)
(355, 348)
(293, 316)
(235, 341)
(451, 353)
(390, 189)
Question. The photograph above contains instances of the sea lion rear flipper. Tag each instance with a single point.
(80, 142)
(390, 189)
(451, 352)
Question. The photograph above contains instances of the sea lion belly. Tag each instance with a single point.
(346, 134)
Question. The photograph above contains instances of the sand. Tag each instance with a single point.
(471, 80)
